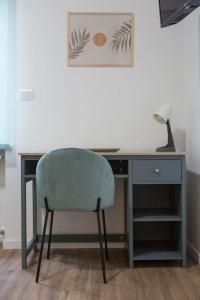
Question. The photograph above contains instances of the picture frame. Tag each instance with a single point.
(103, 39)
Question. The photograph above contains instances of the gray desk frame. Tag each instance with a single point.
(127, 237)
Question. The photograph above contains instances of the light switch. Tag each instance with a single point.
(26, 95)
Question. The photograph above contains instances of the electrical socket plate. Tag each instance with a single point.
(26, 95)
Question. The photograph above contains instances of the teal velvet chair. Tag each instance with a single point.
(74, 179)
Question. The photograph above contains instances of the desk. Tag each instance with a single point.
(155, 206)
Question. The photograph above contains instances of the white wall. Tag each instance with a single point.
(192, 108)
(91, 107)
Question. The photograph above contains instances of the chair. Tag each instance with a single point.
(74, 179)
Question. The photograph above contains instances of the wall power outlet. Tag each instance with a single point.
(26, 94)
(2, 234)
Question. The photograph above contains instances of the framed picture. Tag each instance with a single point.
(100, 39)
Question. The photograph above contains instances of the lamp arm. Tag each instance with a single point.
(170, 147)
(170, 136)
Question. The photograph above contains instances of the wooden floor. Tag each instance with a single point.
(76, 274)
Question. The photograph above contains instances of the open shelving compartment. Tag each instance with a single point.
(157, 241)
(157, 222)
(119, 167)
(30, 167)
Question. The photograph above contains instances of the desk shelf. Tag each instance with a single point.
(155, 215)
(120, 175)
(156, 250)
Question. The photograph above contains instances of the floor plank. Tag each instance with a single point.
(76, 275)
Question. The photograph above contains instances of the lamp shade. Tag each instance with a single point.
(163, 114)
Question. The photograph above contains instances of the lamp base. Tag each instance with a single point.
(166, 149)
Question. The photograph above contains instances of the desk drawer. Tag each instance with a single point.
(156, 170)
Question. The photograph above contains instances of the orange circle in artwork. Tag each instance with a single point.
(99, 39)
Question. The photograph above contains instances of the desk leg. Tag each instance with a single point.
(125, 211)
(129, 214)
(23, 220)
(34, 212)
(184, 230)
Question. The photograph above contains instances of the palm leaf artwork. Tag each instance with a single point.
(122, 38)
(77, 42)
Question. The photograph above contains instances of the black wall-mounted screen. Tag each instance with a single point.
(173, 11)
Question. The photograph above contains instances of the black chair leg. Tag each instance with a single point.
(101, 241)
(42, 246)
(105, 234)
(50, 234)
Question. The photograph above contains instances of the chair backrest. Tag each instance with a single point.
(73, 179)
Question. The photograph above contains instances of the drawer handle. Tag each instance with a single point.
(157, 171)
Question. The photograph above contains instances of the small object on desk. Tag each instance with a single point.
(104, 149)
(162, 116)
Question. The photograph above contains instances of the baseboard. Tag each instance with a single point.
(72, 241)
(11, 244)
(193, 253)
(16, 244)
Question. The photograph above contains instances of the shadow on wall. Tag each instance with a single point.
(193, 210)
(179, 139)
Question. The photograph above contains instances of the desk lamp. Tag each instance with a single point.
(162, 116)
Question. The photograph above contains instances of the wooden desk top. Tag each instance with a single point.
(118, 153)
